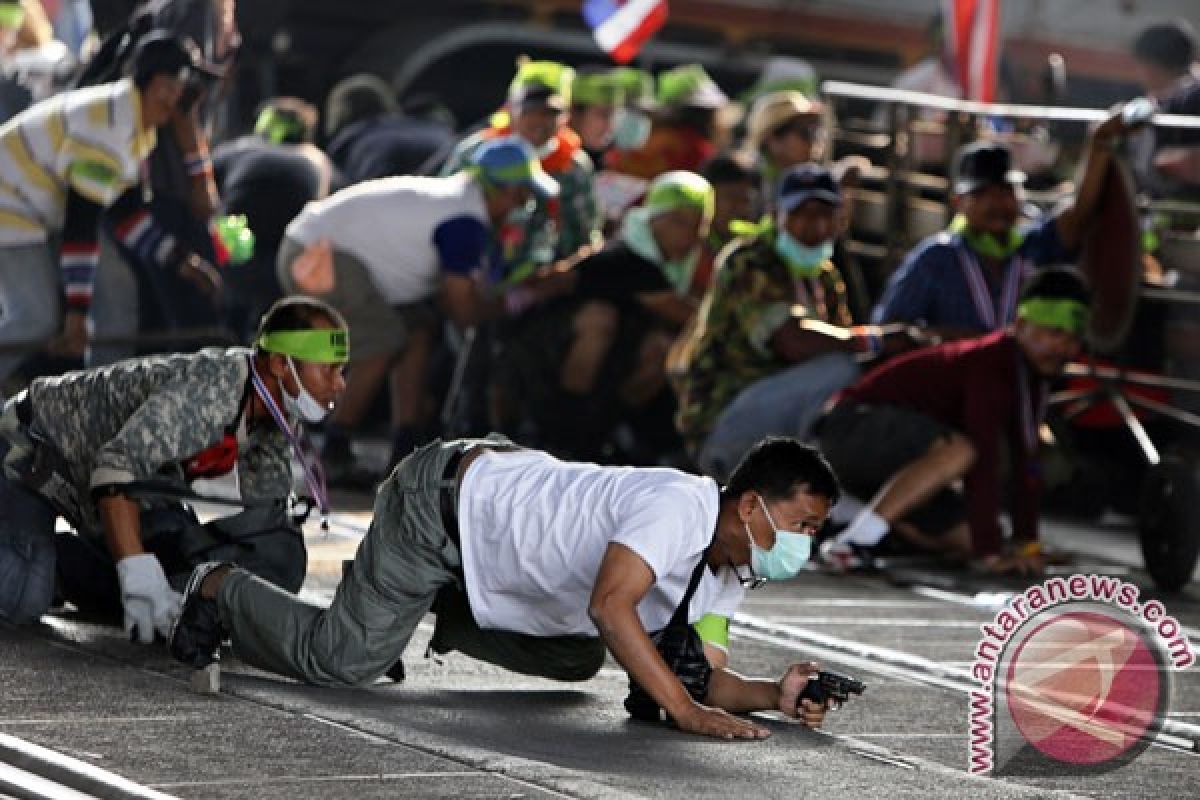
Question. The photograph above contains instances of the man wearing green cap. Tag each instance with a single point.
(909, 431)
(602, 349)
(394, 255)
(539, 99)
(595, 99)
(684, 125)
(111, 450)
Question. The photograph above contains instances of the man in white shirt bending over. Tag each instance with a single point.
(557, 561)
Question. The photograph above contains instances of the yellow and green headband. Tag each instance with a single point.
(1055, 312)
(320, 345)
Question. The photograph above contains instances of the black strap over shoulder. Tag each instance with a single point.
(680, 617)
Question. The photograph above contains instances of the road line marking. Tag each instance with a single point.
(877, 621)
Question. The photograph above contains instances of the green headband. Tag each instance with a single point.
(596, 90)
(11, 15)
(680, 189)
(635, 84)
(278, 126)
(677, 85)
(1055, 312)
(320, 345)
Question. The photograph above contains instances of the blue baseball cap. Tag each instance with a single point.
(806, 182)
(510, 161)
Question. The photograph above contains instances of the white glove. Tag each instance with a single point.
(149, 601)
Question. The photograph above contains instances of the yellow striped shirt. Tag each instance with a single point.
(90, 140)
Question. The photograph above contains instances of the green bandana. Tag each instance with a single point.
(592, 89)
(1066, 315)
(279, 126)
(320, 345)
(680, 189)
(751, 230)
(985, 244)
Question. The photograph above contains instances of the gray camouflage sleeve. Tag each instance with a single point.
(176, 422)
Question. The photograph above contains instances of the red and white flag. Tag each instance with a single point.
(621, 27)
(973, 42)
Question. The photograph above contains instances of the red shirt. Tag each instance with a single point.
(984, 389)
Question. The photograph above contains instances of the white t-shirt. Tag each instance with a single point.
(388, 225)
(535, 529)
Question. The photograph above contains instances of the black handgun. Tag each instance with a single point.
(831, 686)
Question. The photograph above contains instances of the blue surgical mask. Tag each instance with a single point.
(802, 260)
(784, 560)
(631, 129)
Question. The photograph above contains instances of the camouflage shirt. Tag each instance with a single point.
(555, 228)
(729, 347)
(143, 418)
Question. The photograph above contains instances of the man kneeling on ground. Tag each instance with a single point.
(910, 430)
(537, 565)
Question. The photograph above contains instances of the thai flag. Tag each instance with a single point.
(621, 27)
(972, 38)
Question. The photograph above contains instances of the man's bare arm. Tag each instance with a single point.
(623, 580)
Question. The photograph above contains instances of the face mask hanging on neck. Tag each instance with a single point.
(303, 405)
(803, 261)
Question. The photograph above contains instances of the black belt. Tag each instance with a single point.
(446, 496)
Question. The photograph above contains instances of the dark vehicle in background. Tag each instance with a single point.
(463, 50)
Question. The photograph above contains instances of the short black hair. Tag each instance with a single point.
(728, 168)
(778, 466)
(1058, 283)
(297, 313)
(1169, 45)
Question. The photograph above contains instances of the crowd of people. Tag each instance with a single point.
(604, 271)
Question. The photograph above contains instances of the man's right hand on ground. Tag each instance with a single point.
(149, 601)
(715, 722)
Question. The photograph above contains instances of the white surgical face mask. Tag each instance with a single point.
(303, 405)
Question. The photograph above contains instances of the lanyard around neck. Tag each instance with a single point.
(314, 474)
(990, 315)
(1030, 412)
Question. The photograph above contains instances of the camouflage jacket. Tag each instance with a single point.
(729, 347)
(555, 228)
(140, 420)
